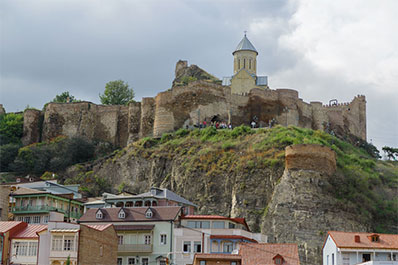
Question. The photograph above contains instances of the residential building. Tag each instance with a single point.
(210, 234)
(34, 206)
(253, 254)
(145, 234)
(81, 244)
(349, 248)
(24, 245)
(53, 187)
(7, 230)
(217, 259)
(155, 197)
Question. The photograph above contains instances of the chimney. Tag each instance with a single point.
(357, 239)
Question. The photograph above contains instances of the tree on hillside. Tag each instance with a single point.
(65, 97)
(391, 152)
(117, 93)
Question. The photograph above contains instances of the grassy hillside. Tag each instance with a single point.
(362, 182)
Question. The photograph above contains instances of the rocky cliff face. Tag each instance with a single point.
(244, 176)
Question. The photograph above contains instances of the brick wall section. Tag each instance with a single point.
(310, 157)
(90, 243)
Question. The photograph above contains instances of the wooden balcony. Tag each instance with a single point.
(136, 248)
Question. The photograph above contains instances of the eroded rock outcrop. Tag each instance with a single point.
(294, 204)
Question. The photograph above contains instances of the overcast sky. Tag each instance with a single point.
(326, 49)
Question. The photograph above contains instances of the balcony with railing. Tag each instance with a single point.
(29, 209)
(137, 248)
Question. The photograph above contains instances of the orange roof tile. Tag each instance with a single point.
(30, 231)
(347, 240)
(263, 254)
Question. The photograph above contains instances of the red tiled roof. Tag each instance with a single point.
(264, 253)
(220, 257)
(30, 231)
(232, 237)
(135, 214)
(133, 227)
(99, 227)
(218, 217)
(347, 240)
(7, 226)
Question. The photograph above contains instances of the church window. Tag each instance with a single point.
(250, 64)
(244, 63)
(238, 63)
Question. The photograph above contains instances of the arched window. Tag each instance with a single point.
(244, 63)
(250, 64)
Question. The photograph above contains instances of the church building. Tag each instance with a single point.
(245, 70)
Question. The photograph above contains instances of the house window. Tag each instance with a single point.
(231, 225)
(122, 214)
(162, 262)
(57, 243)
(202, 262)
(26, 219)
(365, 257)
(198, 224)
(148, 213)
(45, 219)
(68, 243)
(147, 239)
(20, 218)
(32, 249)
(197, 247)
(119, 261)
(99, 215)
(163, 239)
(36, 219)
(101, 251)
(278, 261)
(120, 240)
(145, 261)
(219, 224)
(233, 263)
(375, 238)
(228, 247)
(327, 260)
(187, 247)
(131, 261)
(332, 258)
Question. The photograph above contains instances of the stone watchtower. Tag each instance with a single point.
(245, 69)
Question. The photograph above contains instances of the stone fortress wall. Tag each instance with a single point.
(310, 157)
(187, 105)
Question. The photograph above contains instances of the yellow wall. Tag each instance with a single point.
(245, 60)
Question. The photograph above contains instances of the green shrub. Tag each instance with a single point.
(11, 128)
(8, 153)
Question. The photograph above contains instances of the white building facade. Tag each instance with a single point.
(347, 248)
(210, 234)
